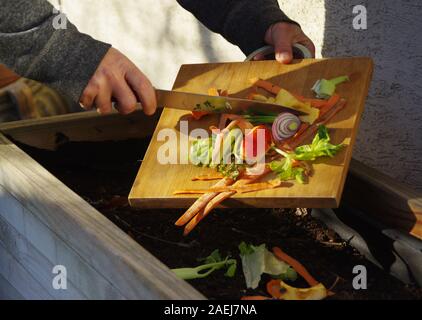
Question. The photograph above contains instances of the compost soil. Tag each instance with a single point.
(103, 173)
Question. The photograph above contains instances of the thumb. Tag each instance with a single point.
(283, 50)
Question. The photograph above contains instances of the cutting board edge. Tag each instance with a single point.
(253, 202)
(175, 202)
(293, 62)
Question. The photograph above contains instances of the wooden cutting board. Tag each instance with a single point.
(155, 182)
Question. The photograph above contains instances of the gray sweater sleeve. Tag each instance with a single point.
(242, 22)
(64, 59)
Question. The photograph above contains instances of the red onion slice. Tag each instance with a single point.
(285, 126)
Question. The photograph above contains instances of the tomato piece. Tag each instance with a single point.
(198, 114)
(250, 142)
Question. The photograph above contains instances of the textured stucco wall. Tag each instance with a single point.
(159, 36)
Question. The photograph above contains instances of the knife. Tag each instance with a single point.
(216, 104)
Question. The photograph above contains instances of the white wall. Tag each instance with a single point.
(159, 36)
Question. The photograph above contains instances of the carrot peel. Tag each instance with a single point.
(300, 269)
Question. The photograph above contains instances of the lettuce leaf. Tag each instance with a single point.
(257, 260)
(201, 152)
(285, 170)
(320, 147)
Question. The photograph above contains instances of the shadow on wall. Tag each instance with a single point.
(390, 136)
(206, 43)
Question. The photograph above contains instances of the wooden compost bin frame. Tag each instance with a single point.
(43, 223)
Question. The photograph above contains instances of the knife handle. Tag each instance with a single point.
(299, 52)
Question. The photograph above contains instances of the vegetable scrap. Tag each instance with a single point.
(285, 126)
(324, 89)
(210, 264)
(278, 289)
(293, 166)
(246, 153)
(257, 260)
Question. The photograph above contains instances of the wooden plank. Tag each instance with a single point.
(34, 262)
(82, 126)
(7, 291)
(101, 244)
(85, 278)
(324, 188)
(385, 198)
(19, 278)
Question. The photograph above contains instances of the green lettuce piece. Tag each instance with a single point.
(324, 88)
(231, 170)
(285, 170)
(231, 270)
(215, 256)
(290, 275)
(257, 260)
(201, 152)
(320, 147)
(278, 270)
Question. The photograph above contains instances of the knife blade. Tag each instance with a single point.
(216, 104)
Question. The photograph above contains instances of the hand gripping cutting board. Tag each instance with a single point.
(155, 182)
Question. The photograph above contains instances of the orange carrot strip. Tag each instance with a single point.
(299, 132)
(302, 128)
(215, 201)
(252, 92)
(200, 203)
(316, 103)
(223, 93)
(227, 116)
(273, 288)
(203, 191)
(196, 191)
(256, 187)
(329, 104)
(198, 114)
(296, 265)
(208, 177)
(267, 85)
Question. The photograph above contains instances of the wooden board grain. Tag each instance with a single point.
(45, 245)
(65, 229)
(7, 291)
(34, 262)
(155, 182)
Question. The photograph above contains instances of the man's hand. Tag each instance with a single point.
(282, 36)
(118, 79)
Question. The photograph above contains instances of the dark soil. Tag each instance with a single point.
(103, 172)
